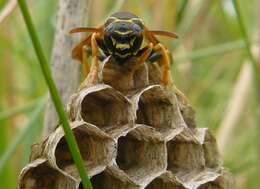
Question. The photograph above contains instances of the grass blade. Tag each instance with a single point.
(8, 9)
(247, 45)
(20, 109)
(256, 70)
(211, 51)
(20, 137)
(181, 11)
(55, 96)
(244, 32)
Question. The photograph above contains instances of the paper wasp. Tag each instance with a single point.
(121, 38)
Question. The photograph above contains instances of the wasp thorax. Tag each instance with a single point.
(123, 35)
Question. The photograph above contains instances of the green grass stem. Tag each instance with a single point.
(55, 96)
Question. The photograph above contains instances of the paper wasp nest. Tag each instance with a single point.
(132, 133)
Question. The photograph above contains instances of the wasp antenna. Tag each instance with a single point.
(164, 33)
(84, 29)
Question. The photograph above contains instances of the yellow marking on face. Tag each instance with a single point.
(113, 41)
(124, 32)
(138, 19)
(122, 46)
(122, 55)
(127, 21)
(132, 41)
(110, 52)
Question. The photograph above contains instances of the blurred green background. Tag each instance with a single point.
(210, 67)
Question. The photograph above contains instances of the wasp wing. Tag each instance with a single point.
(77, 50)
(150, 36)
(164, 33)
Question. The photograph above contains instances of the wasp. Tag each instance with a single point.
(121, 37)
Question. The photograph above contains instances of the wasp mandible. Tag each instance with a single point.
(121, 37)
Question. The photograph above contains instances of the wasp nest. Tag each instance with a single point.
(132, 133)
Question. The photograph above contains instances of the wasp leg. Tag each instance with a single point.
(86, 67)
(86, 52)
(92, 76)
(146, 52)
(94, 69)
(165, 62)
(166, 75)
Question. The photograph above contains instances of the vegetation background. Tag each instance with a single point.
(210, 66)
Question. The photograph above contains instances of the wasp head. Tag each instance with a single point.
(123, 34)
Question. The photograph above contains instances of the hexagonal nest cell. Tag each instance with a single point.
(112, 177)
(158, 108)
(155, 74)
(206, 179)
(196, 179)
(184, 155)
(223, 181)
(102, 106)
(40, 175)
(96, 147)
(105, 107)
(211, 155)
(141, 156)
(124, 77)
(166, 181)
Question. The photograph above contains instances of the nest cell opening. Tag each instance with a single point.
(165, 181)
(210, 185)
(125, 77)
(184, 155)
(96, 151)
(140, 158)
(157, 108)
(225, 180)
(99, 181)
(40, 176)
(81, 186)
(155, 74)
(106, 180)
(106, 109)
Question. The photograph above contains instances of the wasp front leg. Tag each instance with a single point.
(92, 71)
(145, 53)
(86, 66)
